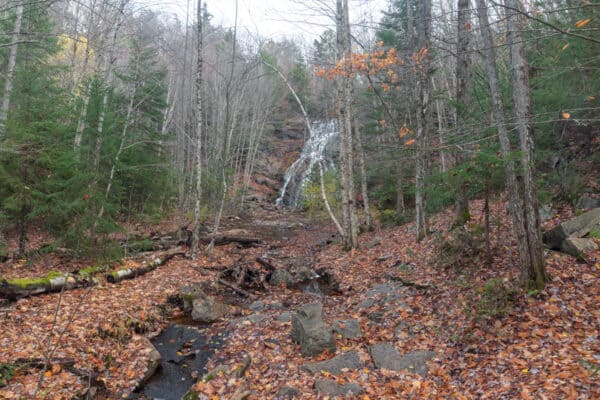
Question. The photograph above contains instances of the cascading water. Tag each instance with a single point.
(315, 150)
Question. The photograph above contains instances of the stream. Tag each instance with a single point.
(185, 350)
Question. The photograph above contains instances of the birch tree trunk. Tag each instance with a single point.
(12, 62)
(363, 178)
(199, 131)
(424, 38)
(463, 99)
(533, 275)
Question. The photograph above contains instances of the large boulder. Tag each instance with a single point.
(385, 355)
(281, 277)
(576, 227)
(153, 360)
(310, 331)
(208, 309)
(336, 365)
(578, 247)
(190, 293)
(330, 387)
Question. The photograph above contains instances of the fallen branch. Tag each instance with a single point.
(156, 261)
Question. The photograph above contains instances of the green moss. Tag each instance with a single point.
(91, 271)
(26, 283)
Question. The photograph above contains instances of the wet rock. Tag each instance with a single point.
(288, 393)
(281, 277)
(385, 355)
(330, 387)
(153, 362)
(208, 309)
(310, 331)
(349, 329)
(336, 365)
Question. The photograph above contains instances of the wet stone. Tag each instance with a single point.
(338, 364)
(332, 388)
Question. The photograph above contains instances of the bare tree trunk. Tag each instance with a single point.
(199, 130)
(12, 62)
(400, 206)
(515, 201)
(363, 178)
(534, 274)
(463, 99)
(424, 30)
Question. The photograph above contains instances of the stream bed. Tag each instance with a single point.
(185, 351)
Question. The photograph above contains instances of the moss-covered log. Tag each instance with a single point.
(53, 282)
(148, 265)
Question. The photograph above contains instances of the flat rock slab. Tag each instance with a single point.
(385, 355)
(349, 329)
(338, 364)
(576, 227)
(332, 388)
(288, 393)
(578, 247)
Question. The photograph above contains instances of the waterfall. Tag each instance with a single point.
(314, 151)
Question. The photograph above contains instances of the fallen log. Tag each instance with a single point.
(53, 282)
(235, 288)
(154, 262)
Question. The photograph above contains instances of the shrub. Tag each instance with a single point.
(495, 299)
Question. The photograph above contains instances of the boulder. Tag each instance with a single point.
(189, 294)
(578, 247)
(385, 355)
(349, 329)
(208, 309)
(330, 387)
(336, 365)
(304, 274)
(288, 393)
(576, 227)
(310, 331)
(281, 277)
(153, 362)
(586, 202)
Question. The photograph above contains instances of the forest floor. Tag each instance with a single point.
(490, 340)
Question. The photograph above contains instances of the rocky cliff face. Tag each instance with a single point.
(281, 148)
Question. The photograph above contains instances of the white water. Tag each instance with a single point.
(297, 175)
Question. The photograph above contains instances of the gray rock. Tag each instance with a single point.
(349, 329)
(332, 388)
(285, 316)
(310, 331)
(375, 242)
(366, 303)
(578, 247)
(313, 288)
(258, 305)
(247, 320)
(281, 277)
(576, 227)
(154, 360)
(546, 212)
(586, 203)
(288, 393)
(189, 294)
(304, 274)
(336, 365)
(208, 309)
(385, 355)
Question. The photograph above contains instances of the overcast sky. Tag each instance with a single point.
(273, 18)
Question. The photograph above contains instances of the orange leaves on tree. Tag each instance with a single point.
(582, 22)
(565, 115)
(404, 131)
(410, 142)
